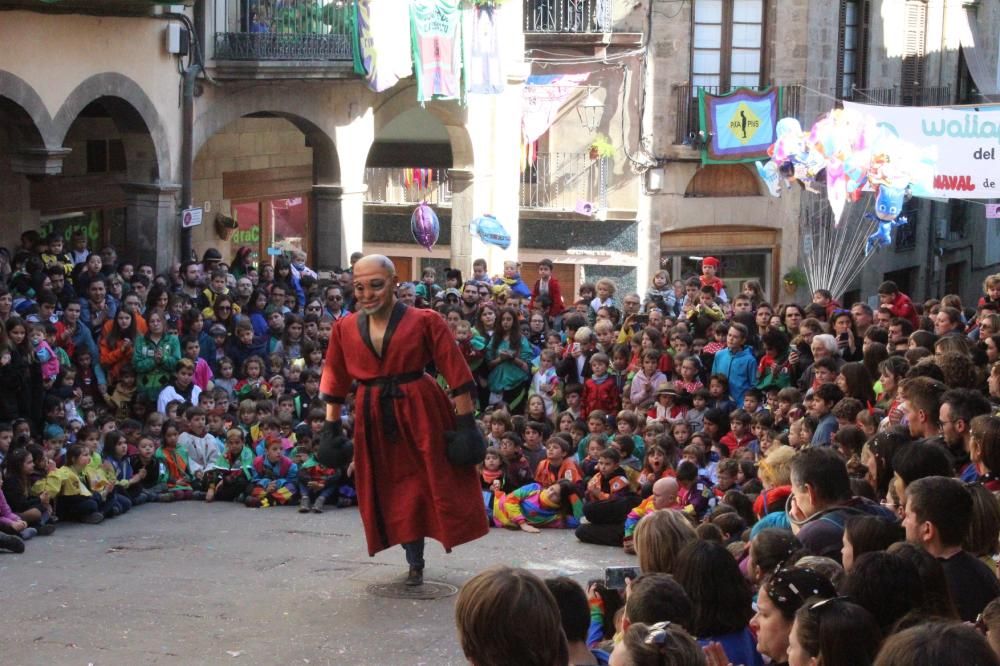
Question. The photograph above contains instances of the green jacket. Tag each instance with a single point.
(153, 374)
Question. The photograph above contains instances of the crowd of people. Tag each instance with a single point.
(799, 483)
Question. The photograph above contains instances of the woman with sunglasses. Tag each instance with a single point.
(833, 632)
(779, 598)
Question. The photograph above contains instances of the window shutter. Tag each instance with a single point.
(840, 93)
(913, 52)
(866, 21)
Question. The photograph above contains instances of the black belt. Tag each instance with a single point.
(388, 391)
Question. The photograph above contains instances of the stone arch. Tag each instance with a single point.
(131, 109)
(32, 126)
(450, 114)
(273, 101)
(724, 180)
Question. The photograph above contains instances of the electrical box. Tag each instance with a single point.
(178, 39)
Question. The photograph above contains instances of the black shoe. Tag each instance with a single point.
(11, 543)
(415, 578)
(46, 530)
(93, 518)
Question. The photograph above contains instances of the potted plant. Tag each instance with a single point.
(225, 226)
(601, 146)
(794, 278)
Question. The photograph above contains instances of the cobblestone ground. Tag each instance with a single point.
(188, 583)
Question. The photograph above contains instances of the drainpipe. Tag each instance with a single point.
(187, 151)
(189, 76)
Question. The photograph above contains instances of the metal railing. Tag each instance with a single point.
(283, 30)
(898, 96)
(407, 185)
(562, 181)
(556, 181)
(567, 16)
(686, 107)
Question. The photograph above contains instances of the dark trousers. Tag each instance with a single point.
(232, 487)
(76, 507)
(415, 553)
(611, 534)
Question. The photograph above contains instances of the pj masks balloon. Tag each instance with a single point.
(889, 202)
(424, 226)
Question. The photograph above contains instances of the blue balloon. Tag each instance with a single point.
(882, 236)
(424, 226)
(489, 230)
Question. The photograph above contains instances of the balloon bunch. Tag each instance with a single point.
(847, 152)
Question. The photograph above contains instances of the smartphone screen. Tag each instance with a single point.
(614, 577)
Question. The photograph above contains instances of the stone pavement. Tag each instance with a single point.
(190, 583)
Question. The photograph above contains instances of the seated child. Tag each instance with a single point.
(595, 447)
(274, 476)
(116, 454)
(695, 495)
(491, 471)
(558, 464)
(318, 485)
(153, 485)
(656, 466)
(516, 470)
(74, 498)
(201, 447)
(228, 477)
(179, 480)
(625, 445)
(610, 482)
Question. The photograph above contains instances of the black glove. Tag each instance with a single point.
(465, 443)
(335, 449)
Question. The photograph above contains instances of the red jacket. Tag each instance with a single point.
(902, 307)
(604, 396)
(555, 294)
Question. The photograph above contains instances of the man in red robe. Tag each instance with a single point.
(407, 436)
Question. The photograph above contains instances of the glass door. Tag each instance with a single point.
(736, 267)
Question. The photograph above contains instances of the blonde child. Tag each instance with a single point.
(545, 383)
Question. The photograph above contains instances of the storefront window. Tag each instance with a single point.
(271, 227)
(736, 267)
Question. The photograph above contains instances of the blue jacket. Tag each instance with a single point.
(739, 368)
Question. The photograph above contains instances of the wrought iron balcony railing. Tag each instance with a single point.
(562, 181)
(289, 30)
(567, 16)
(407, 185)
(686, 104)
(554, 181)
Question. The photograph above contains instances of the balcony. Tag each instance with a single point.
(407, 186)
(298, 40)
(556, 182)
(95, 7)
(686, 105)
(896, 96)
(586, 24)
(561, 181)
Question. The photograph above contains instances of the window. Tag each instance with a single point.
(914, 34)
(906, 235)
(727, 44)
(958, 210)
(105, 156)
(852, 46)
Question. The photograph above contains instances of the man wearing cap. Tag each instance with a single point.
(709, 268)
(414, 451)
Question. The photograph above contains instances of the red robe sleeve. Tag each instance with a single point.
(335, 382)
(447, 356)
